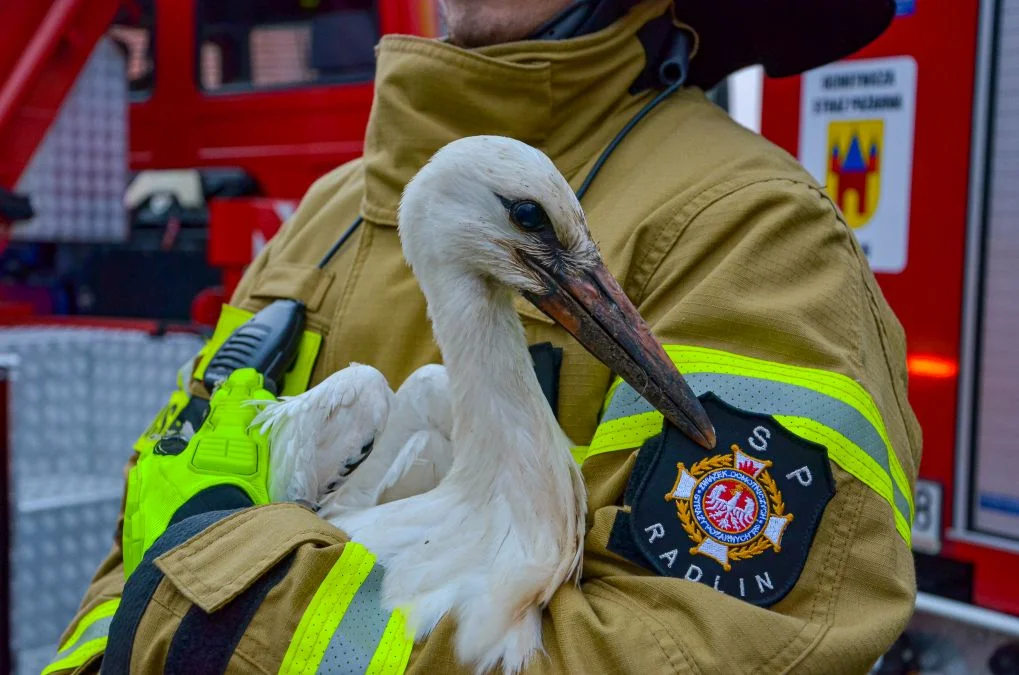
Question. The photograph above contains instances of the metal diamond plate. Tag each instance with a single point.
(77, 177)
(79, 399)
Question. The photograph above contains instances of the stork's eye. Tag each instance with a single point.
(529, 215)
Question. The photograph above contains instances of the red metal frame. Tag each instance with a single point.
(44, 45)
(242, 226)
(928, 294)
(284, 138)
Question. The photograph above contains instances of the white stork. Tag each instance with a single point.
(485, 218)
(320, 437)
(399, 444)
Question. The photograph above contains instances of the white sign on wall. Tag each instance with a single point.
(856, 138)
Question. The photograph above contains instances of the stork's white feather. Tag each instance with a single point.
(499, 535)
(316, 436)
(412, 453)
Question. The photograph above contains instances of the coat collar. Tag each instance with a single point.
(554, 95)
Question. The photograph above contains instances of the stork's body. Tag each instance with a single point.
(412, 452)
(489, 546)
(504, 529)
(319, 437)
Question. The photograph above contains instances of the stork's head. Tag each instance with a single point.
(487, 204)
(498, 210)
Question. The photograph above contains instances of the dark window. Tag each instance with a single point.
(133, 31)
(259, 44)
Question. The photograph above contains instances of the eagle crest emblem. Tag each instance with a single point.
(730, 507)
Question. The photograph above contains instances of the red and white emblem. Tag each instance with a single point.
(730, 507)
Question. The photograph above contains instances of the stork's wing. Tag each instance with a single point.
(318, 437)
(414, 451)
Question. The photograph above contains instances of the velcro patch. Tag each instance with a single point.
(741, 519)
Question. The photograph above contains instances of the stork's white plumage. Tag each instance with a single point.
(413, 452)
(485, 218)
(319, 437)
(503, 530)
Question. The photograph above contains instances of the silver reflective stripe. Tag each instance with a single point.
(354, 642)
(100, 628)
(768, 397)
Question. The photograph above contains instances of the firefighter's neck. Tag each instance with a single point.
(478, 23)
(565, 97)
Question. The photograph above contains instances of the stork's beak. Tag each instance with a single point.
(593, 309)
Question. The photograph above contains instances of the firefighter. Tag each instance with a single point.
(785, 549)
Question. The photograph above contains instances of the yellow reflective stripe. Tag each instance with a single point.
(625, 433)
(88, 638)
(345, 625)
(825, 407)
(100, 611)
(326, 610)
(78, 657)
(899, 476)
(700, 359)
(848, 455)
(579, 453)
(394, 648)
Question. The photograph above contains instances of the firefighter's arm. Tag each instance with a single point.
(763, 298)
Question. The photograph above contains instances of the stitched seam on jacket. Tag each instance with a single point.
(900, 396)
(156, 601)
(191, 577)
(620, 599)
(672, 229)
(249, 660)
(290, 228)
(857, 509)
(147, 617)
(297, 222)
(849, 522)
(872, 305)
(792, 653)
(855, 260)
(365, 235)
(231, 523)
(478, 64)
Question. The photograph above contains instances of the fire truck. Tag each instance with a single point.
(225, 98)
(214, 116)
(917, 138)
(148, 148)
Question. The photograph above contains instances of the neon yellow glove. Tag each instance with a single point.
(224, 451)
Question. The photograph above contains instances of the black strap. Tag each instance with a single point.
(215, 498)
(547, 361)
(204, 643)
(621, 541)
(140, 587)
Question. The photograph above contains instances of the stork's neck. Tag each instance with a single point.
(502, 424)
